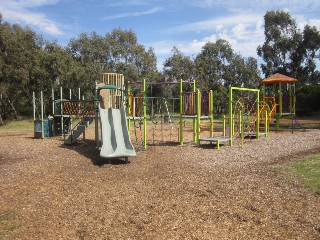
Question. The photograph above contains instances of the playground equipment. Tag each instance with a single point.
(245, 119)
(209, 127)
(108, 106)
(114, 108)
(188, 110)
(65, 111)
(42, 124)
(281, 97)
(115, 139)
(111, 102)
(245, 116)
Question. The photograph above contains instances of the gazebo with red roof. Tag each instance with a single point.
(278, 81)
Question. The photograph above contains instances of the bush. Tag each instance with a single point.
(308, 98)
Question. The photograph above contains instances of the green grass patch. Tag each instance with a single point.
(7, 223)
(17, 125)
(309, 170)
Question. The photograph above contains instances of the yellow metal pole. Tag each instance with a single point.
(129, 107)
(230, 116)
(195, 110)
(198, 115)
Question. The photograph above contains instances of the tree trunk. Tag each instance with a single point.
(15, 114)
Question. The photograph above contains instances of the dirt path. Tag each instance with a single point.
(52, 191)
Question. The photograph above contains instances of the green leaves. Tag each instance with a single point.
(27, 63)
(289, 51)
(217, 65)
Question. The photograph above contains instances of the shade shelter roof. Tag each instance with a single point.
(279, 78)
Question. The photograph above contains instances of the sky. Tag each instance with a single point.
(160, 24)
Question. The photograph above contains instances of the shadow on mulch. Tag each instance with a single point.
(88, 149)
(164, 143)
(210, 145)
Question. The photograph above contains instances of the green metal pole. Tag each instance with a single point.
(181, 112)
(280, 108)
(280, 99)
(128, 107)
(241, 126)
(198, 115)
(144, 114)
(224, 125)
(211, 113)
(42, 127)
(230, 116)
(96, 117)
(34, 105)
(52, 99)
(233, 120)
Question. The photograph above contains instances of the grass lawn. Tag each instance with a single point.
(18, 125)
(309, 170)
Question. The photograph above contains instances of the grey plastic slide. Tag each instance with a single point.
(115, 137)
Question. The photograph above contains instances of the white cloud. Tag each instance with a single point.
(19, 11)
(244, 33)
(254, 5)
(218, 23)
(134, 14)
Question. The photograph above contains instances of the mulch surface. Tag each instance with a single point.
(49, 190)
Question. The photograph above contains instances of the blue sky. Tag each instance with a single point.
(160, 24)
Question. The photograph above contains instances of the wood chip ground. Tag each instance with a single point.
(49, 190)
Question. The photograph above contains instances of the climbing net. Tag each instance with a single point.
(244, 112)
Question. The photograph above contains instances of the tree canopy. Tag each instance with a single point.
(288, 50)
(30, 63)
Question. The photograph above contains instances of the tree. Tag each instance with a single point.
(178, 67)
(289, 51)
(62, 70)
(242, 72)
(211, 64)
(218, 67)
(19, 74)
(27, 63)
(282, 38)
(89, 51)
(309, 52)
(308, 97)
(117, 51)
(175, 68)
(128, 57)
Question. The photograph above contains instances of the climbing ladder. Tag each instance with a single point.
(79, 129)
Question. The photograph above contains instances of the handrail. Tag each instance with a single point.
(112, 87)
(82, 117)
